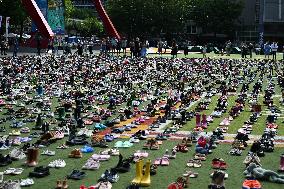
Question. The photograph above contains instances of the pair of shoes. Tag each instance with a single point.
(235, 152)
(48, 153)
(62, 184)
(142, 179)
(13, 171)
(39, 172)
(110, 175)
(133, 186)
(218, 163)
(5, 160)
(194, 163)
(57, 163)
(76, 153)
(76, 175)
(91, 164)
(17, 154)
(123, 165)
(11, 184)
(27, 182)
(190, 174)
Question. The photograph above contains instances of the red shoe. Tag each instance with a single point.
(216, 164)
(223, 165)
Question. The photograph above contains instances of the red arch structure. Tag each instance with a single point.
(35, 13)
(110, 29)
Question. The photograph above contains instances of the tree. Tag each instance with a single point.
(90, 26)
(216, 16)
(69, 8)
(16, 12)
(140, 17)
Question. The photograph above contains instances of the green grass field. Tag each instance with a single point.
(164, 176)
(177, 167)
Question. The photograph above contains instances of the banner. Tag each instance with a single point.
(55, 16)
(7, 26)
(1, 21)
(261, 24)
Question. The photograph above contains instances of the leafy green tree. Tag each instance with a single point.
(69, 8)
(216, 16)
(151, 17)
(16, 12)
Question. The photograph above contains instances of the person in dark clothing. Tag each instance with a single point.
(80, 49)
(244, 50)
(137, 47)
(250, 47)
(186, 50)
(174, 49)
(38, 43)
(3, 46)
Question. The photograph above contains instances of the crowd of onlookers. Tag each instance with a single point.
(139, 48)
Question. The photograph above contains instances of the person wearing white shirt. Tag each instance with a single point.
(274, 48)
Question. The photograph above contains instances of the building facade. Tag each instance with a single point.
(259, 16)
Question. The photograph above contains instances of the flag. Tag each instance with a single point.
(7, 22)
(1, 21)
(7, 25)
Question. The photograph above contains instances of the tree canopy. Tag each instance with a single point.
(153, 17)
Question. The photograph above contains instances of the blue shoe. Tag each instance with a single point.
(87, 149)
(109, 138)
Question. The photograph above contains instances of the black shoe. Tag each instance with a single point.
(40, 172)
(133, 186)
(76, 175)
(5, 160)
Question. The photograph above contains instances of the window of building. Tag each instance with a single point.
(192, 29)
(271, 10)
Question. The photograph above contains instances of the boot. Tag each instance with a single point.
(146, 179)
(29, 156)
(65, 184)
(59, 184)
(198, 120)
(137, 179)
(33, 157)
(281, 168)
(204, 121)
(61, 112)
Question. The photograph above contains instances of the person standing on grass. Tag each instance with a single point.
(165, 44)
(274, 49)
(250, 47)
(267, 50)
(137, 47)
(228, 48)
(123, 46)
(38, 42)
(118, 47)
(16, 46)
(113, 44)
(104, 46)
(55, 44)
(185, 50)
(174, 49)
(204, 50)
(160, 47)
(132, 48)
(3, 46)
(244, 50)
